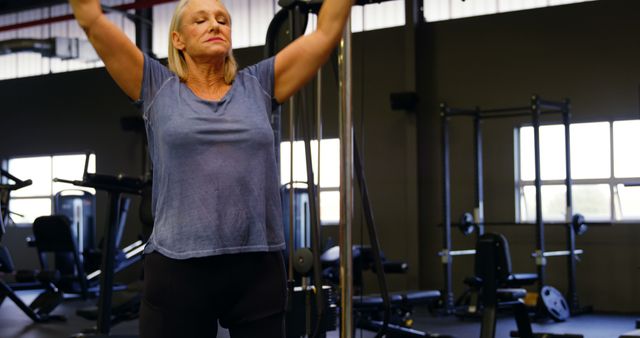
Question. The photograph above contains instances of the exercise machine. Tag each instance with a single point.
(311, 309)
(79, 265)
(115, 187)
(40, 309)
(305, 259)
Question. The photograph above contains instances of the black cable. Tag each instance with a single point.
(370, 222)
(373, 236)
(362, 141)
(275, 26)
(366, 204)
(299, 25)
(306, 127)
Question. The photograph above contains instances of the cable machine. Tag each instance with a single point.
(294, 14)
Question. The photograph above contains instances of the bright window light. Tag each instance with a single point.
(598, 192)
(628, 203)
(26, 210)
(36, 169)
(593, 201)
(31, 202)
(590, 150)
(71, 167)
(626, 140)
(553, 203)
(440, 10)
(552, 159)
(329, 162)
(329, 173)
(330, 210)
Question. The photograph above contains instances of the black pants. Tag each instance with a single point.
(186, 298)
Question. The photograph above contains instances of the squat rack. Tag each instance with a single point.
(535, 110)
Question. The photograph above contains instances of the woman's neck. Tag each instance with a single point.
(206, 80)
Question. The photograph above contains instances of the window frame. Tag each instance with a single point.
(5, 165)
(611, 181)
(303, 184)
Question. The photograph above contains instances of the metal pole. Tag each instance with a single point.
(346, 184)
(540, 259)
(319, 130)
(478, 214)
(292, 139)
(446, 213)
(571, 234)
(103, 325)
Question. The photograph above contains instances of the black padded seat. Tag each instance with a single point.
(420, 297)
(511, 294)
(54, 234)
(520, 279)
(396, 298)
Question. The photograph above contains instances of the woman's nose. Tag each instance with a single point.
(214, 26)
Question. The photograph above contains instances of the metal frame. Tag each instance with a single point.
(615, 215)
(346, 183)
(535, 110)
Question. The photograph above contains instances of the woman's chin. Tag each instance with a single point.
(210, 56)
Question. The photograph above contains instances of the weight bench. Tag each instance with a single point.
(369, 312)
(40, 309)
(510, 287)
(78, 271)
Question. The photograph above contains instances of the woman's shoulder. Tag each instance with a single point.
(258, 68)
(155, 65)
(262, 72)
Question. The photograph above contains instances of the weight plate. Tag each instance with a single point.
(554, 303)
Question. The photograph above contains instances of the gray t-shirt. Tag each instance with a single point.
(215, 182)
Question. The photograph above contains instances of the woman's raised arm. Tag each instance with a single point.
(123, 60)
(297, 63)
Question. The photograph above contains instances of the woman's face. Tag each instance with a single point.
(205, 30)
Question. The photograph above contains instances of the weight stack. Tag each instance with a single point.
(302, 316)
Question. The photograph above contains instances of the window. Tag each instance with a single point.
(440, 10)
(605, 169)
(329, 173)
(252, 18)
(36, 200)
(24, 64)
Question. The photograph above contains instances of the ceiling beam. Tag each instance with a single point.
(12, 6)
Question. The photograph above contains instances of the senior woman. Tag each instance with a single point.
(215, 253)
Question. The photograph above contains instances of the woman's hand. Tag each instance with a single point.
(296, 64)
(86, 11)
(121, 57)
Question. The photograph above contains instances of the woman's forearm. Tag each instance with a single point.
(332, 18)
(86, 12)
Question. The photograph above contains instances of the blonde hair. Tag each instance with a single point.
(177, 63)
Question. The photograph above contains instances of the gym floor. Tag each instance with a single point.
(14, 324)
